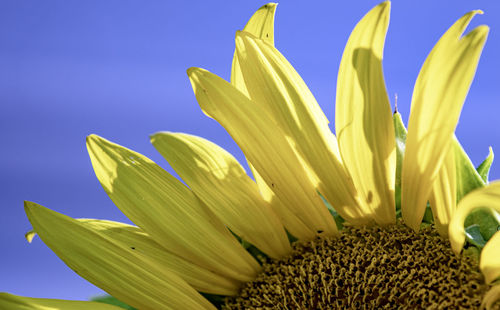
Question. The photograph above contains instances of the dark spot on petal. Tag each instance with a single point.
(369, 197)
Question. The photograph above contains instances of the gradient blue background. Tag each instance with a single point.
(117, 69)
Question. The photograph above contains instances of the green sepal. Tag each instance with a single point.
(484, 168)
(428, 216)
(401, 132)
(474, 237)
(467, 176)
(339, 221)
(217, 300)
(291, 238)
(250, 248)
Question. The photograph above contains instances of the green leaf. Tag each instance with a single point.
(484, 168)
(467, 176)
(473, 235)
(401, 132)
(110, 300)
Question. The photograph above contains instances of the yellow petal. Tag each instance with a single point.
(276, 89)
(490, 259)
(261, 25)
(363, 117)
(491, 297)
(168, 211)
(265, 145)
(117, 270)
(439, 94)
(444, 194)
(15, 302)
(134, 238)
(218, 179)
(484, 197)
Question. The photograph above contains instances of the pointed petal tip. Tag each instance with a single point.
(29, 205)
(194, 71)
(190, 70)
(270, 5)
(153, 137)
(382, 6)
(165, 136)
(93, 138)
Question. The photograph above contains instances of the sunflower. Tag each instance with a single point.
(329, 222)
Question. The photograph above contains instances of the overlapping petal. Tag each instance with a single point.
(439, 93)
(116, 269)
(487, 197)
(135, 238)
(132, 237)
(363, 118)
(261, 25)
(219, 180)
(277, 90)
(265, 145)
(15, 302)
(168, 211)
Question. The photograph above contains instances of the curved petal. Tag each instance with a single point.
(15, 302)
(168, 211)
(444, 193)
(219, 180)
(363, 117)
(492, 296)
(490, 259)
(484, 197)
(265, 145)
(439, 94)
(132, 237)
(110, 266)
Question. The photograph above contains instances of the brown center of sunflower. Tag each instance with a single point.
(367, 268)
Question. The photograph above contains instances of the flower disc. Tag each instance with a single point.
(368, 268)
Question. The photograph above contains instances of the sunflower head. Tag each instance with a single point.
(374, 216)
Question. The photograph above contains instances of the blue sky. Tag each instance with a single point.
(117, 69)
